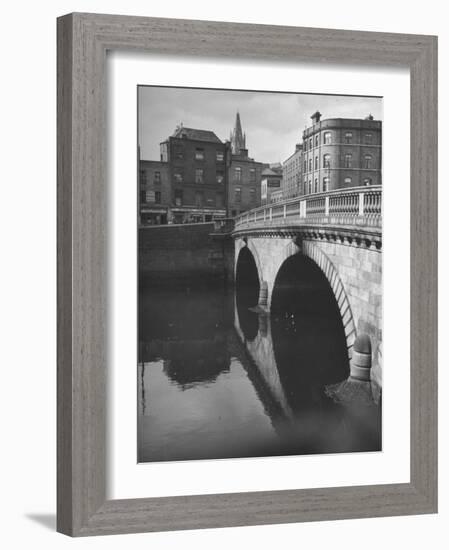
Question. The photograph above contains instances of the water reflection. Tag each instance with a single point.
(217, 380)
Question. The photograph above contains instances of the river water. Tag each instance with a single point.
(218, 380)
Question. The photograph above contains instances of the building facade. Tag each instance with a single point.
(271, 184)
(292, 174)
(244, 174)
(197, 161)
(154, 192)
(341, 152)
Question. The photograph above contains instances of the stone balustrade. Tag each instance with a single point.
(357, 206)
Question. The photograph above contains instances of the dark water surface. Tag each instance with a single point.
(217, 379)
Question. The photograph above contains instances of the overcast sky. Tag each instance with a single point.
(273, 122)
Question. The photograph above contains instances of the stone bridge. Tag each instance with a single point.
(340, 232)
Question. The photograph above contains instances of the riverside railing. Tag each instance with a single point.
(351, 206)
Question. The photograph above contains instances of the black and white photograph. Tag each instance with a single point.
(260, 274)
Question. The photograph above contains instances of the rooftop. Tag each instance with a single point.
(195, 134)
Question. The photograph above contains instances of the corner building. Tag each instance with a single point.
(340, 153)
(197, 161)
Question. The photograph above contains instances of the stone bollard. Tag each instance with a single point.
(263, 295)
(360, 366)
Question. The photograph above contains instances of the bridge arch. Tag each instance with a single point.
(310, 250)
(313, 252)
(248, 244)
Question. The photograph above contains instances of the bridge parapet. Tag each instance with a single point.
(358, 206)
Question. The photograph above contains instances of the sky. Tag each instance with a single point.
(273, 121)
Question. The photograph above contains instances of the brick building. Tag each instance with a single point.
(154, 192)
(292, 174)
(341, 152)
(244, 174)
(197, 161)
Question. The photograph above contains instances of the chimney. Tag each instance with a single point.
(316, 117)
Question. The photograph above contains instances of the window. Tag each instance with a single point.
(199, 175)
(143, 177)
(348, 160)
(367, 181)
(316, 163)
(238, 194)
(220, 156)
(368, 138)
(238, 174)
(310, 187)
(325, 184)
(326, 160)
(310, 165)
(177, 176)
(305, 145)
(252, 195)
(178, 197)
(316, 185)
(157, 197)
(310, 143)
(199, 198)
(348, 181)
(327, 138)
(220, 176)
(348, 137)
(252, 175)
(367, 161)
(179, 154)
(157, 177)
(305, 166)
(317, 140)
(149, 196)
(199, 154)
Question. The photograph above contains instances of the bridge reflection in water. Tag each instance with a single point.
(220, 379)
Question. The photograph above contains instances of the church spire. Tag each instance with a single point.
(238, 140)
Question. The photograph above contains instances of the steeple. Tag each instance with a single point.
(238, 139)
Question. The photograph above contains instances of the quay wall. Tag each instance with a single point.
(193, 251)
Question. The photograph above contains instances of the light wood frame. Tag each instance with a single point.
(83, 40)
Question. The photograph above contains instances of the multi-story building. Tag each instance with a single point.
(197, 163)
(271, 184)
(244, 174)
(154, 192)
(292, 174)
(341, 152)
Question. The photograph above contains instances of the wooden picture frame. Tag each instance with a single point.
(83, 40)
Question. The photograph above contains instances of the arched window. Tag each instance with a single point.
(316, 163)
(327, 138)
(310, 187)
(348, 137)
(348, 160)
(316, 185)
(325, 184)
(348, 182)
(367, 181)
(326, 160)
(310, 165)
(368, 161)
(317, 140)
